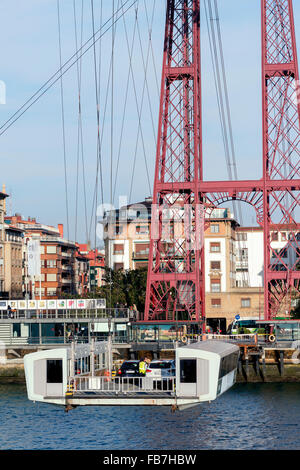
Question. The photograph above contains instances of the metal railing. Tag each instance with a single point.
(122, 385)
(56, 340)
(243, 338)
(114, 313)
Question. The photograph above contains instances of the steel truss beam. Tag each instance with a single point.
(175, 285)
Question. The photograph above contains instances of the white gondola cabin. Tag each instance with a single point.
(206, 369)
(71, 377)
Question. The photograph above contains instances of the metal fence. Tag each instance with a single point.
(113, 313)
(121, 385)
(56, 340)
(251, 338)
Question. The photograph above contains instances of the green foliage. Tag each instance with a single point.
(296, 312)
(124, 287)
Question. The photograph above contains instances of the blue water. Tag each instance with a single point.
(249, 416)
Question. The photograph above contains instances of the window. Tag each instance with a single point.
(274, 236)
(214, 228)
(245, 303)
(17, 330)
(118, 249)
(51, 250)
(216, 303)
(118, 230)
(283, 236)
(188, 371)
(215, 265)
(142, 248)
(241, 237)
(228, 364)
(243, 254)
(51, 263)
(142, 229)
(51, 292)
(51, 277)
(215, 285)
(215, 247)
(54, 371)
(118, 266)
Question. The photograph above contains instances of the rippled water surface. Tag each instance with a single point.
(249, 416)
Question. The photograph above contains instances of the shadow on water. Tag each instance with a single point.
(249, 416)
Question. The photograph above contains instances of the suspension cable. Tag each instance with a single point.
(65, 67)
(63, 118)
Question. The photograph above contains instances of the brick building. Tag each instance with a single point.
(231, 286)
(57, 255)
(3, 197)
(13, 262)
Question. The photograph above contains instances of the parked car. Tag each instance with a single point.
(159, 370)
(128, 369)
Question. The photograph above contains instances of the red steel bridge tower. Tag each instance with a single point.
(181, 199)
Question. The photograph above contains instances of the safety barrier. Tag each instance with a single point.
(122, 313)
(243, 338)
(115, 385)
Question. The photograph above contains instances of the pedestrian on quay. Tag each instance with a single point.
(9, 312)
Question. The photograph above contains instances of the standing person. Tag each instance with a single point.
(142, 368)
(9, 315)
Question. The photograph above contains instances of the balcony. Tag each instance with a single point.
(241, 265)
(66, 267)
(144, 254)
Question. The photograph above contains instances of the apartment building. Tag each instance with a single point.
(57, 257)
(230, 290)
(82, 271)
(97, 269)
(127, 236)
(13, 262)
(3, 196)
(96, 262)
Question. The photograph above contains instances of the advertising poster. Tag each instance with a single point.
(71, 303)
(34, 258)
(90, 303)
(32, 304)
(22, 304)
(42, 304)
(100, 303)
(81, 303)
(61, 303)
(51, 304)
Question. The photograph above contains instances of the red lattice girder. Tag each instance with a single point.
(281, 154)
(175, 285)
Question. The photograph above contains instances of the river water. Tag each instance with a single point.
(249, 416)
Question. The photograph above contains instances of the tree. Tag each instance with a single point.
(296, 312)
(124, 287)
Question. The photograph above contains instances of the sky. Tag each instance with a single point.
(32, 150)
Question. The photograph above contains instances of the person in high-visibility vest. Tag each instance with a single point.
(142, 368)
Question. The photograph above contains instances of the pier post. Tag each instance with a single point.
(72, 362)
(109, 350)
(257, 364)
(264, 365)
(281, 362)
(92, 357)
